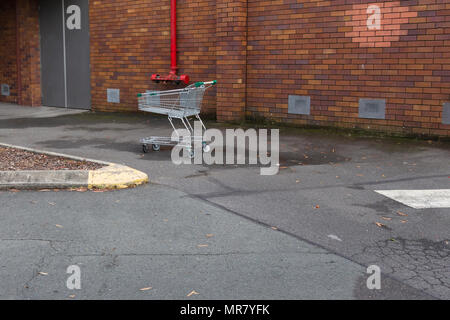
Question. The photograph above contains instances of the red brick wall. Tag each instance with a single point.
(19, 29)
(130, 40)
(324, 49)
(8, 66)
(231, 59)
(261, 52)
(30, 55)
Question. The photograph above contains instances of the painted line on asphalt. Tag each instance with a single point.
(420, 199)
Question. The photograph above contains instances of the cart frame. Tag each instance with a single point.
(180, 104)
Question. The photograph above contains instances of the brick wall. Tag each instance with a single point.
(262, 52)
(29, 53)
(325, 50)
(19, 28)
(8, 66)
(130, 40)
(231, 59)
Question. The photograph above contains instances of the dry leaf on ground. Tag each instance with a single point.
(146, 289)
(193, 292)
(381, 225)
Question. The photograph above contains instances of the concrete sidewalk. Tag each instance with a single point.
(309, 232)
(10, 111)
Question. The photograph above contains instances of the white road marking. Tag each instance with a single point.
(420, 199)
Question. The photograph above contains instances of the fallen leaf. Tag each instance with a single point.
(334, 237)
(402, 214)
(202, 245)
(404, 221)
(52, 203)
(387, 219)
(146, 289)
(274, 228)
(193, 292)
(72, 296)
(210, 235)
(317, 207)
(59, 226)
(43, 273)
(381, 225)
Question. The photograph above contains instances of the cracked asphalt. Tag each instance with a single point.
(225, 231)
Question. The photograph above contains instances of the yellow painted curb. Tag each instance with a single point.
(116, 176)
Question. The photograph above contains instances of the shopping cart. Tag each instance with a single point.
(176, 104)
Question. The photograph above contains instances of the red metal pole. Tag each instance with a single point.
(173, 31)
(173, 52)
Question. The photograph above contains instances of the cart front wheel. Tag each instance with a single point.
(191, 153)
(145, 148)
(156, 147)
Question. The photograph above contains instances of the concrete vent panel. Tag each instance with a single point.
(113, 95)
(446, 113)
(372, 108)
(5, 90)
(299, 105)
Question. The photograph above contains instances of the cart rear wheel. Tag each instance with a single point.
(145, 148)
(156, 147)
(206, 148)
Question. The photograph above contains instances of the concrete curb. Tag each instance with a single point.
(112, 176)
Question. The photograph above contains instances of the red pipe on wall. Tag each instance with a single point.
(173, 51)
(173, 40)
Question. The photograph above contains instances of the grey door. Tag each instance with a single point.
(52, 53)
(65, 53)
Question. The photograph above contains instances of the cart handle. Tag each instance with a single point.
(199, 84)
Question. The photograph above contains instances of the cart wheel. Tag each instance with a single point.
(156, 147)
(145, 148)
(191, 153)
(206, 148)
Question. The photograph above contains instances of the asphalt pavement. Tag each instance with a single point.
(225, 232)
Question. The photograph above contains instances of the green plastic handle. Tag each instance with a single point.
(199, 84)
